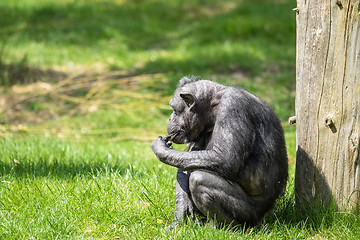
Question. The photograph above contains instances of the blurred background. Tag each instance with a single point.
(105, 64)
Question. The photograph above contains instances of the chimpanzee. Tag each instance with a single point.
(236, 166)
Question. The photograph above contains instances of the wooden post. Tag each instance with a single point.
(328, 102)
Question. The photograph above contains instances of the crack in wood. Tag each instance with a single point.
(322, 90)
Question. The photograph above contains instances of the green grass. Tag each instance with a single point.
(78, 164)
(52, 188)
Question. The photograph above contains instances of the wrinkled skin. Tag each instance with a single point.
(236, 165)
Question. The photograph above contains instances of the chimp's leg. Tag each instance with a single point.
(222, 199)
(184, 206)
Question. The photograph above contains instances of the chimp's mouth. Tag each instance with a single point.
(176, 137)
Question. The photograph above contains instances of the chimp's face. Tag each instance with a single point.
(186, 123)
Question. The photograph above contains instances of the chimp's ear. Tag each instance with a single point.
(188, 98)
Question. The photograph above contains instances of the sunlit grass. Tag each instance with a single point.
(51, 188)
(61, 188)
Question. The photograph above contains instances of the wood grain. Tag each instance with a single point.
(328, 102)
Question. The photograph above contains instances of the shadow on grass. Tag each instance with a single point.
(65, 170)
(11, 74)
(306, 208)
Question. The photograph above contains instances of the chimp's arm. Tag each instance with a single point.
(229, 142)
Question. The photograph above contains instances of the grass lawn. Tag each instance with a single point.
(84, 88)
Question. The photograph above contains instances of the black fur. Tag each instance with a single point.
(237, 163)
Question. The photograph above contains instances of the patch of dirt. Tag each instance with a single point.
(33, 96)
